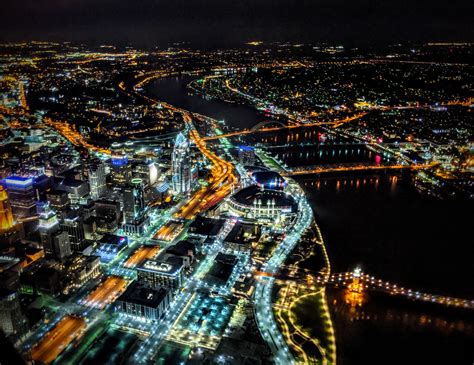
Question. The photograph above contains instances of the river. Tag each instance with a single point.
(173, 90)
(381, 223)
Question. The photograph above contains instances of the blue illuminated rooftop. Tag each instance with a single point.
(18, 181)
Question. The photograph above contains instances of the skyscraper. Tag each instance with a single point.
(6, 215)
(72, 223)
(54, 240)
(12, 320)
(48, 225)
(148, 172)
(134, 210)
(59, 201)
(181, 165)
(97, 177)
(133, 200)
(22, 195)
(61, 245)
(121, 169)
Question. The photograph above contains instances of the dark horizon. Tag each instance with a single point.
(213, 23)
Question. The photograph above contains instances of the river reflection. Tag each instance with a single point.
(380, 222)
(387, 331)
(326, 154)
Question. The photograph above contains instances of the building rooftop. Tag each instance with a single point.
(206, 226)
(139, 294)
(18, 181)
(168, 267)
(6, 294)
(182, 248)
(6, 262)
(252, 193)
(269, 179)
(221, 270)
(247, 148)
(243, 233)
(111, 239)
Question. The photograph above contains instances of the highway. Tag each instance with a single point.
(263, 291)
(58, 338)
(141, 254)
(107, 292)
(70, 132)
(221, 182)
(169, 231)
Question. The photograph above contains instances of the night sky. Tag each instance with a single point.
(225, 22)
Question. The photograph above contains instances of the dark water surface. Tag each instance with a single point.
(383, 224)
(173, 90)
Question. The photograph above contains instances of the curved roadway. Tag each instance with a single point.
(263, 291)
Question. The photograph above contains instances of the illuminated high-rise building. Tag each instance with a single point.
(73, 224)
(148, 172)
(55, 241)
(121, 170)
(97, 178)
(12, 320)
(59, 201)
(48, 226)
(6, 215)
(133, 200)
(61, 245)
(22, 196)
(181, 166)
(134, 210)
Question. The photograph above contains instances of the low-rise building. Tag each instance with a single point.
(185, 250)
(80, 269)
(160, 273)
(242, 237)
(110, 246)
(142, 301)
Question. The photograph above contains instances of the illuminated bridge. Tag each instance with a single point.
(264, 127)
(359, 282)
(265, 123)
(321, 169)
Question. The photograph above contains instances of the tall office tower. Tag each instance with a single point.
(134, 207)
(6, 215)
(121, 172)
(73, 224)
(48, 226)
(54, 240)
(97, 177)
(181, 165)
(148, 172)
(133, 200)
(61, 245)
(59, 201)
(22, 196)
(109, 209)
(12, 320)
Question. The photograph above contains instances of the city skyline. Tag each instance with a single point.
(236, 182)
